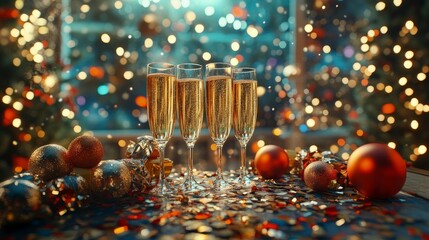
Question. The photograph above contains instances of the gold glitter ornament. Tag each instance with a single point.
(110, 179)
(20, 201)
(49, 162)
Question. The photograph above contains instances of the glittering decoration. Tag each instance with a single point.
(295, 161)
(29, 177)
(154, 167)
(20, 201)
(318, 175)
(49, 162)
(305, 158)
(141, 179)
(66, 194)
(143, 164)
(143, 149)
(85, 151)
(110, 179)
(339, 165)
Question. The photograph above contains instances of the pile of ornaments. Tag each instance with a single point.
(375, 170)
(60, 180)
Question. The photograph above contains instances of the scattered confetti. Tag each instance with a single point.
(273, 210)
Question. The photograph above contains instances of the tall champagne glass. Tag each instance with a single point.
(190, 107)
(245, 109)
(160, 93)
(219, 111)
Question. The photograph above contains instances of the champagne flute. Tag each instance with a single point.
(245, 109)
(160, 94)
(190, 107)
(219, 112)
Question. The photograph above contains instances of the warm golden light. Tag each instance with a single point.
(105, 38)
(380, 6)
(308, 28)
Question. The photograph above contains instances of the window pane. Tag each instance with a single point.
(109, 43)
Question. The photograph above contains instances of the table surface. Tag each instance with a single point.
(266, 209)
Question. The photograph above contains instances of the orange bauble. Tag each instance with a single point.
(271, 161)
(85, 152)
(376, 170)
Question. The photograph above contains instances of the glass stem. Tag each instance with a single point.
(161, 184)
(219, 161)
(243, 162)
(190, 161)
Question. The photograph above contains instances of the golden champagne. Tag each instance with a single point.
(245, 109)
(190, 107)
(160, 94)
(219, 107)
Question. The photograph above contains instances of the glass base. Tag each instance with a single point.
(191, 185)
(243, 182)
(220, 184)
(164, 189)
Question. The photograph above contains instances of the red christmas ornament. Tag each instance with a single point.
(318, 175)
(271, 161)
(85, 152)
(376, 170)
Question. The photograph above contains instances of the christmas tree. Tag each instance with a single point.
(391, 70)
(329, 108)
(33, 107)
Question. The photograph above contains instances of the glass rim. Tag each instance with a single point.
(160, 65)
(244, 70)
(191, 66)
(214, 64)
